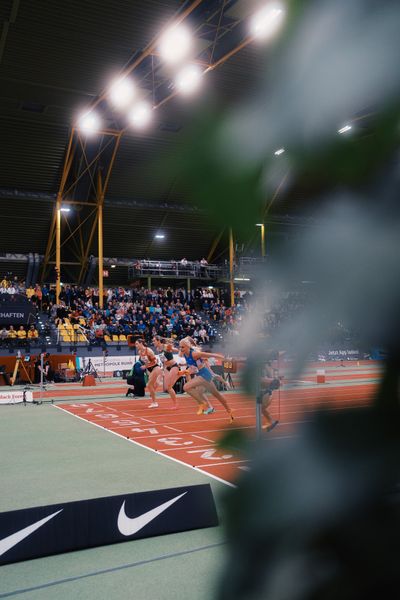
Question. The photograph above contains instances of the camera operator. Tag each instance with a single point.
(48, 372)
(136, 379)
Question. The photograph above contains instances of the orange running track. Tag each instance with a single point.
(189, 439)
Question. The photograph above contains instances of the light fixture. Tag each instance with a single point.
(140, 115)
(65, 209)
(242, 279)
(188, 80)
(280, 151)
(159, 236)
(113, 266)
(259, 224)
(175, 44)
(121, 92)
(267, 21)
(345, 128)
(89, 123)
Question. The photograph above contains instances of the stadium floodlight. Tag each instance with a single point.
(89, 123)
(140, 114)
(280, 151)
(344, 129)
(65, 209)
(266, 22)
(175, 44)
(188, 80)
(159, 236)
(121, 93)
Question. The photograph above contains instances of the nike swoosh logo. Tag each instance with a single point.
(128, 526)
(12, 540)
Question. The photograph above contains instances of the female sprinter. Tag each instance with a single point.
(165, 349)
(202, 381)
(150, 365)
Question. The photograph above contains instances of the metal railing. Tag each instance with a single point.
(174, 269)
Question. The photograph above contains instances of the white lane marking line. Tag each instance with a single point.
(180, 462)
(173, 428)
(203, 438)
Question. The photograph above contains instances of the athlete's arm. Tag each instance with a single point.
(196, 355)
(151, 358)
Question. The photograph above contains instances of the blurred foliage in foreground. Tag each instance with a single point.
(317, 517)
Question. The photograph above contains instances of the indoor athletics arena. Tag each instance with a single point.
(199, 292)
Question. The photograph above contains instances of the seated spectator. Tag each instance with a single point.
(204, 338)
(33, 333)
(21, 333)
(30, 292)
(3, 335)
(12, 334)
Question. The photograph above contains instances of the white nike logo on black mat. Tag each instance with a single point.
(12, 540)
(128, 526)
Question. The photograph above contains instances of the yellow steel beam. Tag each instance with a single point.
(88, 246)
(265, 214)
(77, 251)
(88, 165)
(67, 166)
(49, 244)
(78, 227)
(214, 245)
(80, 237)
(101, 190)
(100, 200)
(262, 240)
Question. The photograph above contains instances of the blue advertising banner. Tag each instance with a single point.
(16, 310)
(46, 530)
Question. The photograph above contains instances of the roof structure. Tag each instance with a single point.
(56, 59)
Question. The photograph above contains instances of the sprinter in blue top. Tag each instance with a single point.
(202, 380)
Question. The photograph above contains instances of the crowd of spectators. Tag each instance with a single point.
(142, 312)
(12, 285)
(204, 313)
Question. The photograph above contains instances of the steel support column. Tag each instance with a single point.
(100, 236)
(262, 240)
(58, 249)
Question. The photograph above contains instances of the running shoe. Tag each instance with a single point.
(271, 427)
(202, 408)
(153, 405)
(230, 415)
(209, 410)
